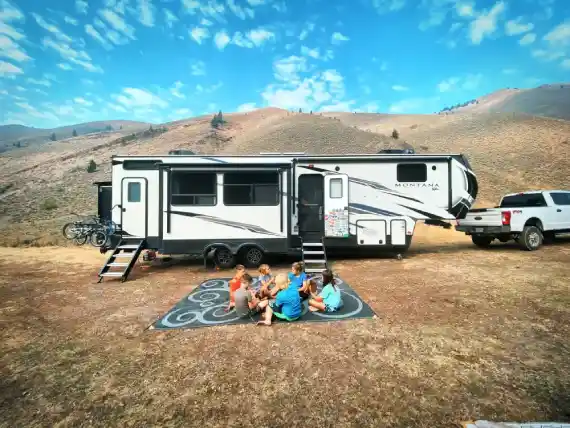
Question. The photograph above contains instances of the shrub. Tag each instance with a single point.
(92, 167)
(395, 134)
(48, 204)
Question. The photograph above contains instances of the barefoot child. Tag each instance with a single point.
(246, 304)
(234, 284)
(287, 303)
(330, 298)
(267, 282)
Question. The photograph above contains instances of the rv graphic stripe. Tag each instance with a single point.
(425, 214)
(214, 159)
(367, 209)
(244, 226)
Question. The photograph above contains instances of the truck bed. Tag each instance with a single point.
(483, 217)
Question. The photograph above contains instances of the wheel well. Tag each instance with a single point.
(215, 246)
(534, 222)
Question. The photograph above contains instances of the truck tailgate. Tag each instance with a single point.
(482, 217)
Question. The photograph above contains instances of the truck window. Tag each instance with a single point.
(526, 200)
(411, 172)
(560, 198)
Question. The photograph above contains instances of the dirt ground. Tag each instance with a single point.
(461, 334)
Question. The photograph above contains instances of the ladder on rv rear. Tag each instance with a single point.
(314, 256)
(123, 257)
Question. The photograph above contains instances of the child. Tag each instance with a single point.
(234, 284)
(330, 299)
(299, 279)
(287, 303)
(246, 303)
(267, 282)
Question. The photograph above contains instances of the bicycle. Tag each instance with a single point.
(101, 235)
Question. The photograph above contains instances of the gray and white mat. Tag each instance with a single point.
(205, 305)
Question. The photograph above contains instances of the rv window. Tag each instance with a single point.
(560, 198)
(134, 192)
(194, 188)
(411, 172)
(251, 188)
(141, 164)
(335, 188)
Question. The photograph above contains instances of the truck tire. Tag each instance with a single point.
(531, 238)
(482, 241)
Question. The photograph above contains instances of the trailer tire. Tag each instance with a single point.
(531, 238)
(251, 256)
(482, 241)
(224, 258)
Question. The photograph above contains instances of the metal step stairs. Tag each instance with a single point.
(123, 258)
(314, 256)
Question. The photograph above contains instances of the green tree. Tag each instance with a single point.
(92, 167)
(53, 137)
(395, 134)
(300, 110)
(217, 120)
(74, 133)
(108, 128)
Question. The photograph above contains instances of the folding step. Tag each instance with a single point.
(111, 274)
(315, 261)
(314, 252)
(117, 264)
(129, 257)
(123, 255)
(313, 270)
(128, 247)
(312, 244)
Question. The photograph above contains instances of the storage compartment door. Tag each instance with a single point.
(105, 202)
(336, 206)
(371, 232)
(398, 232)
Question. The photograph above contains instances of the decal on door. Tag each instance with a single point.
(336, 223)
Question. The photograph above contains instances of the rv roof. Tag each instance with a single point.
(291, 155)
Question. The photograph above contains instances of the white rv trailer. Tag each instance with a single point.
(245, 206)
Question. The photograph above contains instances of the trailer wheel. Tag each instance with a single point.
(224, 258)
(531, 238)
(482, 241)
(252, 256)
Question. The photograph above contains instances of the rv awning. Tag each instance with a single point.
(102, 183)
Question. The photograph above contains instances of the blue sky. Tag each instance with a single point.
(159, 60)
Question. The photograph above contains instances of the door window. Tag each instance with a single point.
(134, 192)
(335, 188)
(560, 198)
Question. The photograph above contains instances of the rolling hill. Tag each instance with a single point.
(510, 151)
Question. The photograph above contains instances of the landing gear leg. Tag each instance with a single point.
(399, 256)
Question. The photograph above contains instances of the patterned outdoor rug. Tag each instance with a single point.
(205, 305)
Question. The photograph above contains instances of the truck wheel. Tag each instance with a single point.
(531, 238)
(481, 241)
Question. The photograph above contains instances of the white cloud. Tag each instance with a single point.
(465, 9)
(68, 53)
(337, 38)
(469, 82)
(559, 35)
(306, 31)
(81, 6)
(566, 64)
(221, 39)
(199, 34)
(71, 20)
(515, 27)
(240, 12)
(509, 71)
(413, 105)
(206, 22)
(41, 82)
(244, 108)
(400, 88)
(139, 98)
(52, 29)
(146, 12)
(242, 41)
(175, 90)
(169, 18)
(294, 89)
(89, 29)
(116, 107)
(257, 2)
(12, 50)
(548, 55)
(198, 68)
(9, 70)
(211, 9)
(64, 66)
(486, 23)
(527, 39)
(118, 23)
(260, 36)
(386, 6)
(83, 102)
(313, 53)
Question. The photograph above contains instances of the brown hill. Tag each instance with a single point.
(508, 152)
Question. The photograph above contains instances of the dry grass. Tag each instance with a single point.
(461, 334)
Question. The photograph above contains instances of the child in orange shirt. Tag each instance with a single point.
(235, 284)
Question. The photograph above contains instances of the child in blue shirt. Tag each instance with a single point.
(287, 303)
(298, 278)
(330, 298)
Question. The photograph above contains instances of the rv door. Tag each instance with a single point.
(134, 207)
(336, 206)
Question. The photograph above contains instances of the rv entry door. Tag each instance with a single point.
(134, 206)
(336, 206)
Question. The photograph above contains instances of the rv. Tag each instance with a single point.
(241, 208)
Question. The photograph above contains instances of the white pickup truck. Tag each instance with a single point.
(529, 218)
